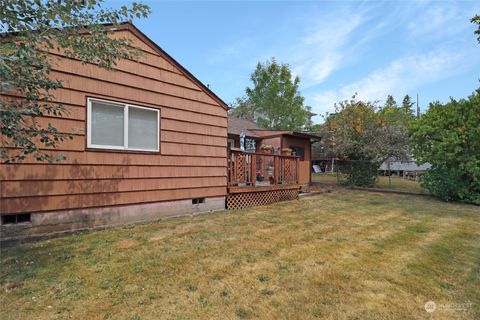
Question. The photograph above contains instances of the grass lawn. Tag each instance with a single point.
(340, 255)
(397, 183)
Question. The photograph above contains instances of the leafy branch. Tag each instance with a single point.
(32, 29)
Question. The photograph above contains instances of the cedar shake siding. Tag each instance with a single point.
(95, 183)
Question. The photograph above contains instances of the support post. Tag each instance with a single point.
(297, 173)
(253, 169)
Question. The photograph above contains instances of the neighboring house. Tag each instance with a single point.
(299, 142)
(301, 145)
(236, 127)
(407, 169)
(323, 158)
(409, 165)
(149, 141)
(323, 164)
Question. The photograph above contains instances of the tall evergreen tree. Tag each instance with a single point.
(390, 111)
(407, 105)
(390, 102)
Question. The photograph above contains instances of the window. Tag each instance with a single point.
(16, 218)
(299, 152)
(250, 145)
(113, 125)
(198, 200)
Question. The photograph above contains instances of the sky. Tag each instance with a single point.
(337, 48)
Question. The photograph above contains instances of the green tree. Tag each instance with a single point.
(276, 97)
(243, 109)
(316, 128)
(363, 136)
(407, 106)
(32, 28)
(447, 137)
(476, 20)
(390, 102)
(392, 114)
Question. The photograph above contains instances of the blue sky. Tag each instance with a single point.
(337, 48)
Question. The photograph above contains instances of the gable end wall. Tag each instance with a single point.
(193, 138)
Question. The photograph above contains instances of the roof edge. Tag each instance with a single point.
(277, 133)
(127, 25)
(131, 27)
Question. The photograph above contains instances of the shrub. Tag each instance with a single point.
(361, 173)
(447, 137)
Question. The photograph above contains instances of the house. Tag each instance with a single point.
(149, 141)
(237, 127)
(254, 174)
(300, 143)
(406, 169)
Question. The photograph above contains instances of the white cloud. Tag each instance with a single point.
(348, 36)
(316, 71)
(443, 26)
(398, 78)
(322, 50)
(441, 21)
(338, 40)
(435, 20)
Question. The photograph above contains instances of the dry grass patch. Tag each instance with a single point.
(340, 255)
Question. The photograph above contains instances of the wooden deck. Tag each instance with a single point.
(259, 179)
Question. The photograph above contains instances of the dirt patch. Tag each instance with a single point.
(12, 286)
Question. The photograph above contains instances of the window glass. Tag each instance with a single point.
(250, 145)
(107, 124)
(299, 152)
(142, 129)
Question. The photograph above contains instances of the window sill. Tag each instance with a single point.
(16, 225)
(92, 149)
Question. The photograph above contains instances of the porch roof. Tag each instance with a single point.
(265, 133)
(236, 126)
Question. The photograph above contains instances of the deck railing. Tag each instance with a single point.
(258, 169)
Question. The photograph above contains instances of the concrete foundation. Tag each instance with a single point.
(45, 224)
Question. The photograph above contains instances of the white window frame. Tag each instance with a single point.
(126, 107)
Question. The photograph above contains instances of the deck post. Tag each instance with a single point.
(234, 168)
(253, 169)
(230, 169)
(297, 162)
(275, 168)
